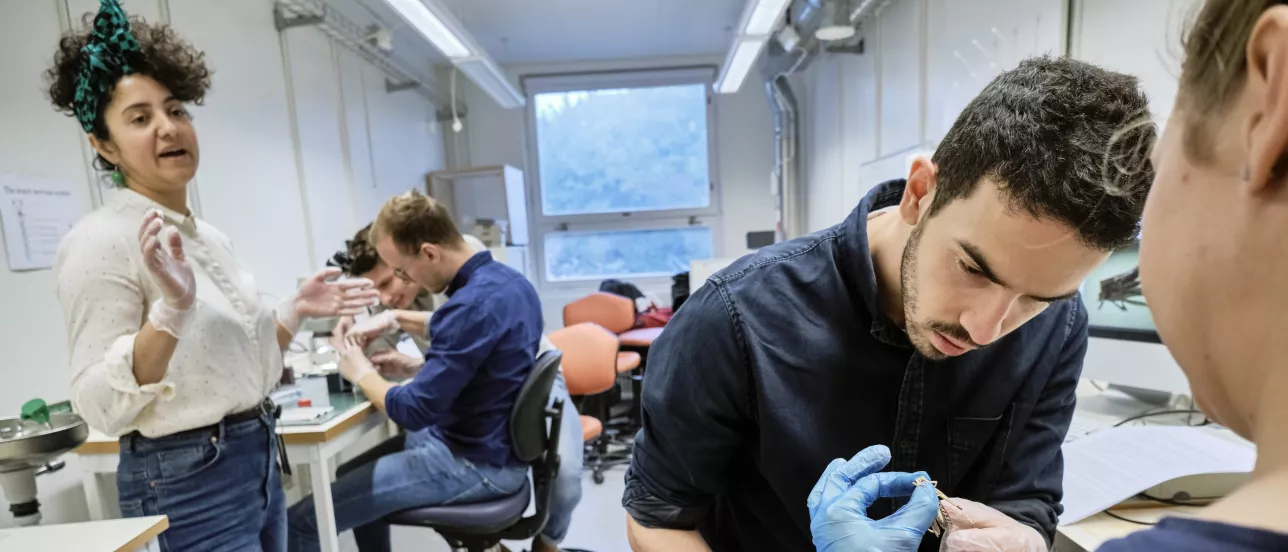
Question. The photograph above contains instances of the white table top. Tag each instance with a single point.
(344, 418)
(115, 535)
(1109, 407)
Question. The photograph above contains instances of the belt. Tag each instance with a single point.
(265, 407)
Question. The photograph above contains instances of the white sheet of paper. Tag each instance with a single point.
(304, 414)
(36, 213)
(1114, 464)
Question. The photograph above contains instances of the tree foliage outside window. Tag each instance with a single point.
(624, 253)
(623, 150)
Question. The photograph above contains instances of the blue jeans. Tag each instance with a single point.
(567, 488)
(220, 486)
(390, 478)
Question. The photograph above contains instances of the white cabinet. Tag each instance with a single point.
(516, 257)
(477, 193)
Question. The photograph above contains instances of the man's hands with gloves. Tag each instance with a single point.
(978, 528)
(840, 500)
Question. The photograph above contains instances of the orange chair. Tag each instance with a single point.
(591, 363)
(617, 314)
(611, 311)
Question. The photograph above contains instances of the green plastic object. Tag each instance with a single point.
(36, 410)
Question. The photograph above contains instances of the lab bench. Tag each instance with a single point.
(116, 535)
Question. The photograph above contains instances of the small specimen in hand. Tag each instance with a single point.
(942, 521)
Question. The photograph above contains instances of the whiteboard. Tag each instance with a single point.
(971, 42)
(1150, 30)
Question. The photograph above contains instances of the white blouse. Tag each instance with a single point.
(228, 359)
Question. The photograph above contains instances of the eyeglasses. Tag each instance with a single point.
(401, 272)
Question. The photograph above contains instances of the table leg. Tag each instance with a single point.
(94, 495)
(322, 505)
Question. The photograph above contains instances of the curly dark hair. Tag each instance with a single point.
(1064, 139)
(359, 256)
(166, 57)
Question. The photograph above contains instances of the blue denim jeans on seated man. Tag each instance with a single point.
(220, 486)
(404, 472)
(386, 479)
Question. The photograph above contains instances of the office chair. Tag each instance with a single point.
(590, 367)
(614, 312)
(482, 525)
(617, 314)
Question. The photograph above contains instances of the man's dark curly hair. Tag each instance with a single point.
(1064, 139)
(359, 255)
(166, 57)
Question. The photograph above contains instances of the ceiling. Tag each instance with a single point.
(526, 31)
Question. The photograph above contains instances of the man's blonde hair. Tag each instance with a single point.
(413, 218)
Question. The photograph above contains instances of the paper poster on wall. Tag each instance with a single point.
(36, 212)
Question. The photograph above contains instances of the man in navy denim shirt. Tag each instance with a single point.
(456, 409)
(941, 318)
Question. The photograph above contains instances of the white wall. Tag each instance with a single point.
(744, 156)
(923, 61)
(1109, 34)
(300, 146)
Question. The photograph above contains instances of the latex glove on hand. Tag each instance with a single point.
(840, 500)
(975, 527)
(320, 298)
(340, 330)
(354, 365)
(162, 251)
(393, 364)
(373, 327)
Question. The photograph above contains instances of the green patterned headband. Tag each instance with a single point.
(107, 57)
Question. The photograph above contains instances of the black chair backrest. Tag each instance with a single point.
(528, 431)
(528, 420)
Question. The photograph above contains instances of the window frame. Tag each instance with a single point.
(542, 224)
(652, 224)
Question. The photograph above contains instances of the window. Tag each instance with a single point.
(608, 151)
(624, 173)
(624, 253)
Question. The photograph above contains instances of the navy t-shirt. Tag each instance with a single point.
(1186, 535)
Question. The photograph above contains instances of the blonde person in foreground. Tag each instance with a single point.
(171, 349)
(1217, 290)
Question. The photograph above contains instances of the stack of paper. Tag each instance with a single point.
(304, 415)
(1112, 465)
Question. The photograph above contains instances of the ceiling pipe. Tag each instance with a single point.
(296, 13)
(787, 184)
(784, 58)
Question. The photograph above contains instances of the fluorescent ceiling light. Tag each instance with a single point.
(433, 27)
(758, 20)
(489, 77)
(738, 63)
(764, 14)
(433, 20)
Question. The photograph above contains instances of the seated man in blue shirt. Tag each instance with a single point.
(456, 409)
(406, 310)
(941, 318)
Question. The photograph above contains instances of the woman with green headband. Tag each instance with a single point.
(171, 349)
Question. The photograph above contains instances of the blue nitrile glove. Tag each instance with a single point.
(839, 503)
